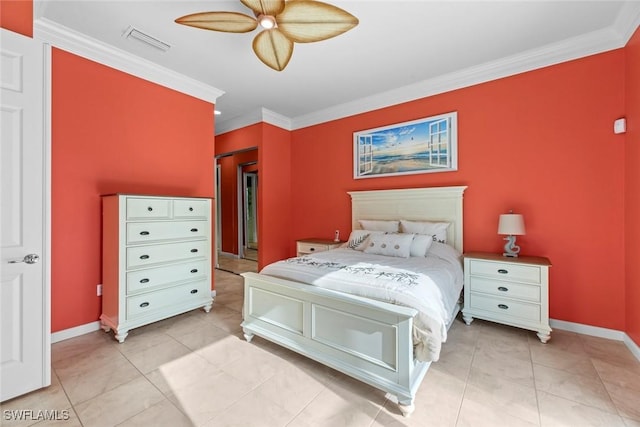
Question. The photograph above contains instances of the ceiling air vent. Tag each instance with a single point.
(135, 34)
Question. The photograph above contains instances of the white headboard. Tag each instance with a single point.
(415, 204)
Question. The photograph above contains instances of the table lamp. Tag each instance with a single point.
(511, 225)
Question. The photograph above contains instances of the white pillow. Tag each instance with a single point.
(397, 245)
(358, 239)
(438, 230)
(420, 245)
(380, 225)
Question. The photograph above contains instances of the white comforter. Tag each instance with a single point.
(430, 284)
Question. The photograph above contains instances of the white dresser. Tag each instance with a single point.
(512, 291)
(156, 259)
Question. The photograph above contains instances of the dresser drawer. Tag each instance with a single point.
(148, 208)
(505, 271)
(191, 208)
(505, 289)
(140, 256)
(142, 280)
(141, 232)
(143, 304)
(505, 308)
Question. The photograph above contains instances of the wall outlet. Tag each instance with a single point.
(99, 290)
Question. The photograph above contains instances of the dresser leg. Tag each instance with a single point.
(207, 308)
(248, 336)
(406, 408)
(467, 318)
(544, 336)
(121, 335)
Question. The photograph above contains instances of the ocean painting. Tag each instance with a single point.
(419, 146)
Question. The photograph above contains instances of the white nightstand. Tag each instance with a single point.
(513, 291)
(313, 245)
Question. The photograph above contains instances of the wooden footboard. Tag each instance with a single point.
(366, 339)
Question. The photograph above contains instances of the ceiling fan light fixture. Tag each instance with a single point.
(283, 23)
(267, 22)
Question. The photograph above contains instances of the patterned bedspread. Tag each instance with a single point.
(431, 285)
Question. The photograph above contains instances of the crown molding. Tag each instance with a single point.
(256, 116)
(628, 20)
(574, 48)
(600, 41)
(82, 45)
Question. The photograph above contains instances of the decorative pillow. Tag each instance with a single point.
(397, 245)
(358, 239)
(380, 225)
(437, 230)
(420, 245)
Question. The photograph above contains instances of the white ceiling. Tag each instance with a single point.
(400, 50)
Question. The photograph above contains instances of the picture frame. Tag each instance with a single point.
(425, 145)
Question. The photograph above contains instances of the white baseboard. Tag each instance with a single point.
(631, 345)
(597, 331)
(229, 255)
(86, 328)
(594, 331)
(74, 332)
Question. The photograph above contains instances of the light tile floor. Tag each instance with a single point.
(196, 369)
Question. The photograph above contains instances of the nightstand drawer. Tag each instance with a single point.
(309, 248)
(505, 271)
(506, 307)
(505, 289)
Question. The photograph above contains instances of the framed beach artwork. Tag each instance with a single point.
(419, 146)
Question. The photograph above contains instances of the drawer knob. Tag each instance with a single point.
(503, 306)
(144, 304)
(503, 289)
(194, 291)
(144, 233)
(194, 230)
(149, 208)
(144, 256)
(194, 250)
(190, 209)
(503, 271)
(144, 280)
(195, 270)
(312, 249)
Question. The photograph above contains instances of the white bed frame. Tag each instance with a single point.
(364, 338)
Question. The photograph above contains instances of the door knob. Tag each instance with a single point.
(29, 259)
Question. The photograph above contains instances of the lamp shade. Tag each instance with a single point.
(511, 224)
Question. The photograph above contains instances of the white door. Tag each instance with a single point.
(24, 295)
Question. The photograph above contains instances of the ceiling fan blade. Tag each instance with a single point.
(264, 7)
(305, 21)
(273, 48)
(229, 22)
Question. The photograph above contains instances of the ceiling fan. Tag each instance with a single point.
(284, 23)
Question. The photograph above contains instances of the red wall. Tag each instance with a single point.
(17, 16)
(540, 143)
(275, 197)
(632, 187)
(113, 133)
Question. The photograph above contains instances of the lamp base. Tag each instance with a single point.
(510, 248)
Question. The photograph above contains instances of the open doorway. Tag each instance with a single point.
(250, 214)
(237, 211)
